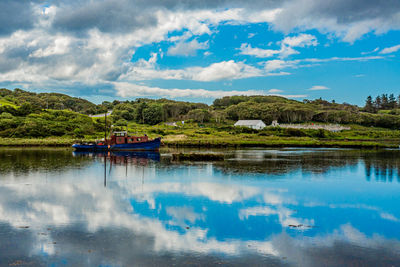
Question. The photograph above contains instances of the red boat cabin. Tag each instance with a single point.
(124, 138)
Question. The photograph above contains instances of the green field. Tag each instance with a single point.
(217, 135)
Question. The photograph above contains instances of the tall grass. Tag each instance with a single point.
(213, 135)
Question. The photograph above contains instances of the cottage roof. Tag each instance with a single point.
(248, 122)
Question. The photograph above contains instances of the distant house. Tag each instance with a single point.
(254, 124)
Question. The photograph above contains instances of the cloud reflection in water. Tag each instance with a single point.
(159, 213)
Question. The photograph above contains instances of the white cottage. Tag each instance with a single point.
(254, 124)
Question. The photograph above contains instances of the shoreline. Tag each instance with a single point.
(285, 143)
(198, 143)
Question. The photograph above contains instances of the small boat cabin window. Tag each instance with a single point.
(139, 139)
(120, 134)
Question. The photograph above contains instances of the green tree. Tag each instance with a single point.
(199, 115)
(392, 101)
(152, 114)
(369, 106)
(385, 101)
(25, 109)
(140, 112)
(121, 122)
(378, 103)
(127, 115)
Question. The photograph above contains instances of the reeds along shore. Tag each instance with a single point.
(210, 142)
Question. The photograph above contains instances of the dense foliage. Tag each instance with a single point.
(49, 101)
(149, 111)
(289, 111)
(17, 123)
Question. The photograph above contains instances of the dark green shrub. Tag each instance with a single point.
(295, 132)
(78, 133)
(158, 131)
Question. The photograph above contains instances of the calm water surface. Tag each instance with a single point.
(276, 207)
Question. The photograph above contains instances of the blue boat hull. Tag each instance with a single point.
(152, 145)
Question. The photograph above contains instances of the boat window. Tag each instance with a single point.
(139, 139)
(120, 134)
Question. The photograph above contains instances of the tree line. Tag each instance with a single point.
(49, 114)
(266, 108)
(382, 102)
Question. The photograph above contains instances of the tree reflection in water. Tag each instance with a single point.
(296, 207)
(22, 161)
(383, 165)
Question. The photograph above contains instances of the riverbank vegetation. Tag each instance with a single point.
(55, 119)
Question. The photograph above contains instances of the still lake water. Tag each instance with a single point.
(279, 207)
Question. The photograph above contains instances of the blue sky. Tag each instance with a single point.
(198, 51)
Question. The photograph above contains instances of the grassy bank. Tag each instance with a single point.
(212, 135)
(31, 142)
(275, 142)
(183, 141)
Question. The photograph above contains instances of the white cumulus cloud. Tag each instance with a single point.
(187, 48)
(125, 89)
(301, 40)
(224, 70)
(247, 49)
(318, 88)
(275, 91)
(389, 50)
(286, 49)
(92, 43)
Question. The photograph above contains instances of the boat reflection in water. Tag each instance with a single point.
(121, 157)
(140, 158)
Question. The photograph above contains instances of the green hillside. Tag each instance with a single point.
(29, 115)
(57, 101)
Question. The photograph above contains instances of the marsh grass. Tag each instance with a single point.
(217, 135)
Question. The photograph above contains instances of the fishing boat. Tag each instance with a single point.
(121, 141)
